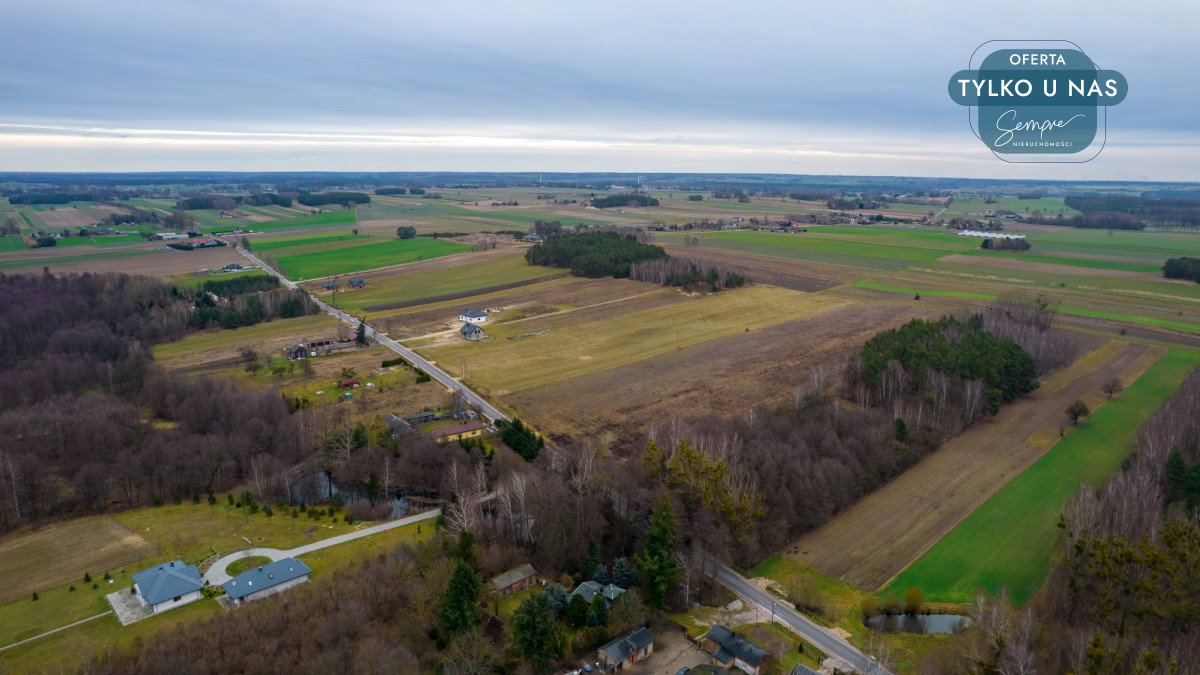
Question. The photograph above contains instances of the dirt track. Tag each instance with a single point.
(873, 541)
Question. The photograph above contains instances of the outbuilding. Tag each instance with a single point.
(513, 581)
(626, 650)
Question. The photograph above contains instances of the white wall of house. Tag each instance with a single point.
(171, 604)
(259, 595)
(472, 319)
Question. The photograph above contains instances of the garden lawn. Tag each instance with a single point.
(1011, 540)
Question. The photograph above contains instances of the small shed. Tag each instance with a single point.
(358, 282)
(351, 383)
(513, 581)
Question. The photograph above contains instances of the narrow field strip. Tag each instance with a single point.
(1011, 540)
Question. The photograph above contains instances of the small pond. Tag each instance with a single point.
(942, 624)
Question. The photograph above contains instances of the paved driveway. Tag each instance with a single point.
(215, 576)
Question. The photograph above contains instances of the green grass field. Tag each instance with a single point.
(487, 273)
(1010, 541)
(381, 253)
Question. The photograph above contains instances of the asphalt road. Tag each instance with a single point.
(473, 399)
(827, 642)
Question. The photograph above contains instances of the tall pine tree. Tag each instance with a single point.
(459, 606)
(657, 567)
(535, 633)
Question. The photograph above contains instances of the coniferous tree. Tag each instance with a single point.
(535, 633)
(459, 606)
(658, 568)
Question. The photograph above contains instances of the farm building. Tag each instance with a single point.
(397, 425)
(168, 585)
(589, 589)
(358, 282)
(626, 650)
(457, 432)
(532, 237)
(513, 581)
(329, 285)
(734, 651)
(470, 331)
(325, 347)
(423, 417)
(269, 579)
(169, 236)
(233, 267)
(472, 316)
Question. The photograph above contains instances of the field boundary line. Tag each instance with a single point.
(39, 636)
(998, 488)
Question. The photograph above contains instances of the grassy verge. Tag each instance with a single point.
(1009, 541)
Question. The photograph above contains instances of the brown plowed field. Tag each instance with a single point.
(782, 272)
(868, 544)
(55, 554)
(725, 376)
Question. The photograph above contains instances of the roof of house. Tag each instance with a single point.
(455, 429)
(267, 576)
(801, 669)
(468, 328)
(734, 645)
(167, 581)
(513, 576)
(473, 313)
(233, 266)
(621, 648)
(588, 589)
(394, 421)
(357, 281)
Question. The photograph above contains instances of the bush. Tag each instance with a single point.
(406, 232)
(523, 440)
(398, 361)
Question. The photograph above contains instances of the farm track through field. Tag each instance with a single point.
(873, 541)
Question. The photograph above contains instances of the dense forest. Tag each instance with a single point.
(1122, 597)
(390, 191)
(919, 357)
(343, 198)
(1182, 268)
(630, 200)
(80, 432)
(593, 254)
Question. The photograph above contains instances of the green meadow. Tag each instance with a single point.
(316, 264)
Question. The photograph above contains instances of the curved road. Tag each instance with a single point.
(473, 399)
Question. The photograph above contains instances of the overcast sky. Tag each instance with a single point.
(855, 87)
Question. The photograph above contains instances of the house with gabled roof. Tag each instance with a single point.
(266, 580)
(470, 331)
(588, 589)
(734, 651)
(472, 315)
(168, 585)
(626, 650)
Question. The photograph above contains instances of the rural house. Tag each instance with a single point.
(168, 585)
(267, 580)
(471, 332)
(734, 651)
(233, 267)
(457, 432)
(329, 285)
(588, 589)
(472, 316)
(513, 581)
(801, 669)
(626, 650)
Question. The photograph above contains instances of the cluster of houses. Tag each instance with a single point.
(174, 584)
(354, 284)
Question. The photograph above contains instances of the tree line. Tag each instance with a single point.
(691, 275)
(51, 198)
(630, 200)
(343, 198)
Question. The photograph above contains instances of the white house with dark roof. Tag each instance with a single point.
(267, 580)
(472, 315)
(168, 585)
